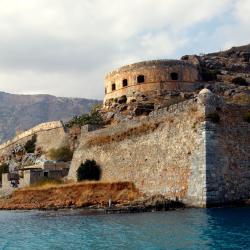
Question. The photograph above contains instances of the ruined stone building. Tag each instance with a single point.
(151, 78)
(33, 174)
(30, 168)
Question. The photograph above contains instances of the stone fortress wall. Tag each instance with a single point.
(49, 135)
(151, 77)
(161, 154)
(228, 156)
(177, 152)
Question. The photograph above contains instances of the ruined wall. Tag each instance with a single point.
(49, 135)
(157, 78)
(163, 153)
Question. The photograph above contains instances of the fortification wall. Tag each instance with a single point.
(49, 135)
(161, 154)
(228, 156)
(157, 78)
(178, 151)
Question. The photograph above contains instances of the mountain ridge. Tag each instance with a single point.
(21, 112)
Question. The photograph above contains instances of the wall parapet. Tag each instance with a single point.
(39, 128)
(181, 106)
(160, 62)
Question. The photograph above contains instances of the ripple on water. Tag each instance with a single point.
(227, 228)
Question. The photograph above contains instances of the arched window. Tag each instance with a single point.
(113, 86)
(105, 90)
(124, 83)
(140, 79)
(174, 76)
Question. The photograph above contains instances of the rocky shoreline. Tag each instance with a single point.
(115, 197)
(94, 197)
(166, 206)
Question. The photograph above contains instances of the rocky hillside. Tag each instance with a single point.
(21, 112)
(224, 66)
(225, 73)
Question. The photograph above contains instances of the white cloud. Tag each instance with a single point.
(65, 47)
(236, 31)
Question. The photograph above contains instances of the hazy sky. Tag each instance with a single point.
(65, 47)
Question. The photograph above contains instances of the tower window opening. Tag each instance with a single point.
(113, 86)
(140, 79)
(174, 76)
(124, 83)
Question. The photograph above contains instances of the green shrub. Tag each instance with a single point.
(246, 117)
(30, 145)
(93, 118)
(89, 170)
(213, 117)
(95, 108)
(4, 168)
(240, 81)
(60, 154)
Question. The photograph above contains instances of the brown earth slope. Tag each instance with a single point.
(71, 196)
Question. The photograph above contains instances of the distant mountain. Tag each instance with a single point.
(21, 112)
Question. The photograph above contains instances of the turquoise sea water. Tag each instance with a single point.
(227, 228)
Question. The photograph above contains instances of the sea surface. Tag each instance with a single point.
(220, 228)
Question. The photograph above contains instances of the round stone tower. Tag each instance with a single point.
(150, 78)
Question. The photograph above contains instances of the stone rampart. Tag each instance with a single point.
(160, 154)
(228, 157)
(197, 151)
(49, 135)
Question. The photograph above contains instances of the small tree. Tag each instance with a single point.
(93, 118)
(60, 154)
(30, 145)
(89, 170)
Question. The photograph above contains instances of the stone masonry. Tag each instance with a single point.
(180, 152)
(49, 135)
(150, 78)
(165, 159)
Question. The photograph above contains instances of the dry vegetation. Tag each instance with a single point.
(78, 195)
(141, 129)
(46, 183)
(240, 99)
(60, 154)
